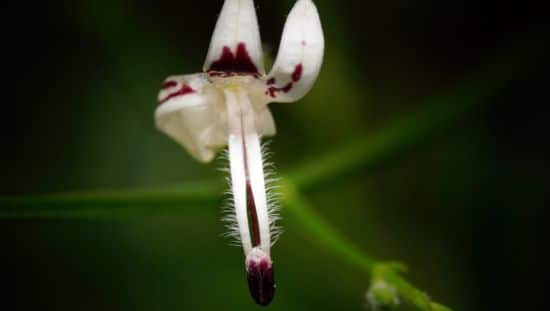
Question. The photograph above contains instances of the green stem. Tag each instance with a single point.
(368, 153)
(328, 238)
(317, 227)
(112, 203)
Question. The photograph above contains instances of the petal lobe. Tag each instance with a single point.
(236, 43)
(300, 54)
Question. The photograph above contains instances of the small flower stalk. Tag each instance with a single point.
(227, 106)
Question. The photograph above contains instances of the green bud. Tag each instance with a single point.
(382, 296)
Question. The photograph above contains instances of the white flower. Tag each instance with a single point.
(226, 105)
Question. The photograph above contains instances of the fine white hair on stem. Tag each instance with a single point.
(222, 161)
(272, 193)
(229, 218)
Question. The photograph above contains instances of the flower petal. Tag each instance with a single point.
(189, 112)
(265, 126)
(236, 45)
(300, 55)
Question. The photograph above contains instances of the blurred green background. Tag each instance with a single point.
(465, 211)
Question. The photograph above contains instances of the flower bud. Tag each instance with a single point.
(382, 296)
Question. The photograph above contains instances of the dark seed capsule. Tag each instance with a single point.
(261, 281)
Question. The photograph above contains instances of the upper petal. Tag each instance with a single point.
(192, 113)
(300, 54)
(236, 45)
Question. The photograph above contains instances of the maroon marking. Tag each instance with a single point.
(184, 90)
(261, 281)
(303, 43)
(252, 215)
(238, 62)
(168, 84)
(287, 87)
(297, 74)
(251, 204)
(273, 90)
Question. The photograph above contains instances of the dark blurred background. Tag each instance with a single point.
(466, 211)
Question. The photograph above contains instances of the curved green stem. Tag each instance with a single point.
(316, 226)
(330, 239)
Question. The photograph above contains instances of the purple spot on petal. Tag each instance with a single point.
(184, 90)
(273, 90)
(297, 74)
(240, 62)
(225, 62)
(287, 87)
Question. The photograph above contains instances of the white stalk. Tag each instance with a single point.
(246, 167)
(237, 166)
(255, 171)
